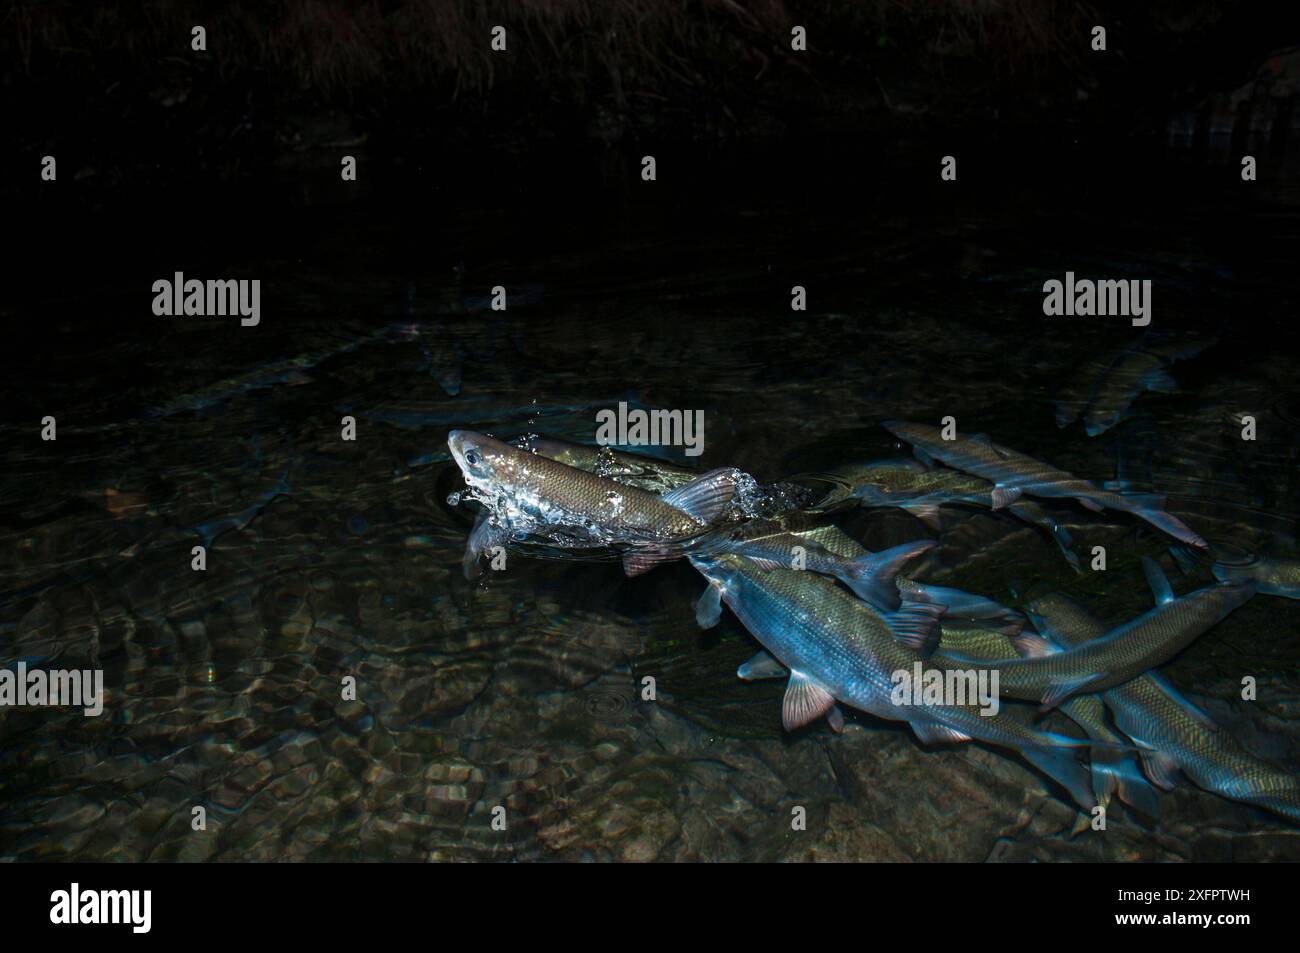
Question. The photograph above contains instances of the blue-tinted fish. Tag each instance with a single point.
(837, 648)
(1122, 653)
(1014, 474)
(1174, 733)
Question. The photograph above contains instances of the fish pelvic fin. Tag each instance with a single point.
(708, 611)
(805, 701)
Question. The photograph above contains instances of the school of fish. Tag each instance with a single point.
(847, 627)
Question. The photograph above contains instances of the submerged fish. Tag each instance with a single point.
(963, 606)
(920, 490)
(1107, 387)
(1272, 575)
(530, 493)
(211, 530)
(1122, 653)
(771, 545)
(1114, 772)
(1014, 474)
(1175, 733)
(837, 648)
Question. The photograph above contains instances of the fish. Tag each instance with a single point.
(1174, 734)
(1133, 373)
(961, 605)
(1122, 653)
(211, 530)
(837, 648)
(1014, 474)
(1272, 575)
(1106, 387)
(910, 485)
(530, 493)
(770, 545)
(1114, 772)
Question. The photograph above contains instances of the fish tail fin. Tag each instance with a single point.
(1066, 770)
(871, 577)
(1120, 774)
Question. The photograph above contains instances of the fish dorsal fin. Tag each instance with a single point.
(1180, 699)
(987, 441)
(805, 701)
(915, 625)
(1030, 644)
(762, 665)
(705, 497)
(1157, 580)
(708, 611)
(931, 733)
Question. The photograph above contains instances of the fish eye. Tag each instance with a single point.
(472, 458)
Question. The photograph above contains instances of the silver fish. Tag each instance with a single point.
(1174, 733)
(1014, 474)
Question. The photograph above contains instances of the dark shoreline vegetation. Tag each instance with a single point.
(281, 77)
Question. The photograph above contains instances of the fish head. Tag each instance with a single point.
(722, 571)
(486, 463)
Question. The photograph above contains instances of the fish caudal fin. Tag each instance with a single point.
(872, 577)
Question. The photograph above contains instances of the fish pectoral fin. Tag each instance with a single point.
(1061, 690)
(805, 701)
(835, 718)
(1157, 580)
(1090, 505)
(1005, 495)
(931, 733)
(1160, 768)
(762, 665)
(708, 611)
(705, 497)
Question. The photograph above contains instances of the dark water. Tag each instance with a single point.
(523, 690)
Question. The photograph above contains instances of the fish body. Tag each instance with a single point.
(532, 493)
(1014, 474)
(1125, 651)
(1131, 374)
(630, 469)
(1120, 654)
(1114, 772)
(962, 605)
(838, 648)
(1176, 734)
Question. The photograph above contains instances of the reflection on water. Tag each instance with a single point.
(331, 559)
